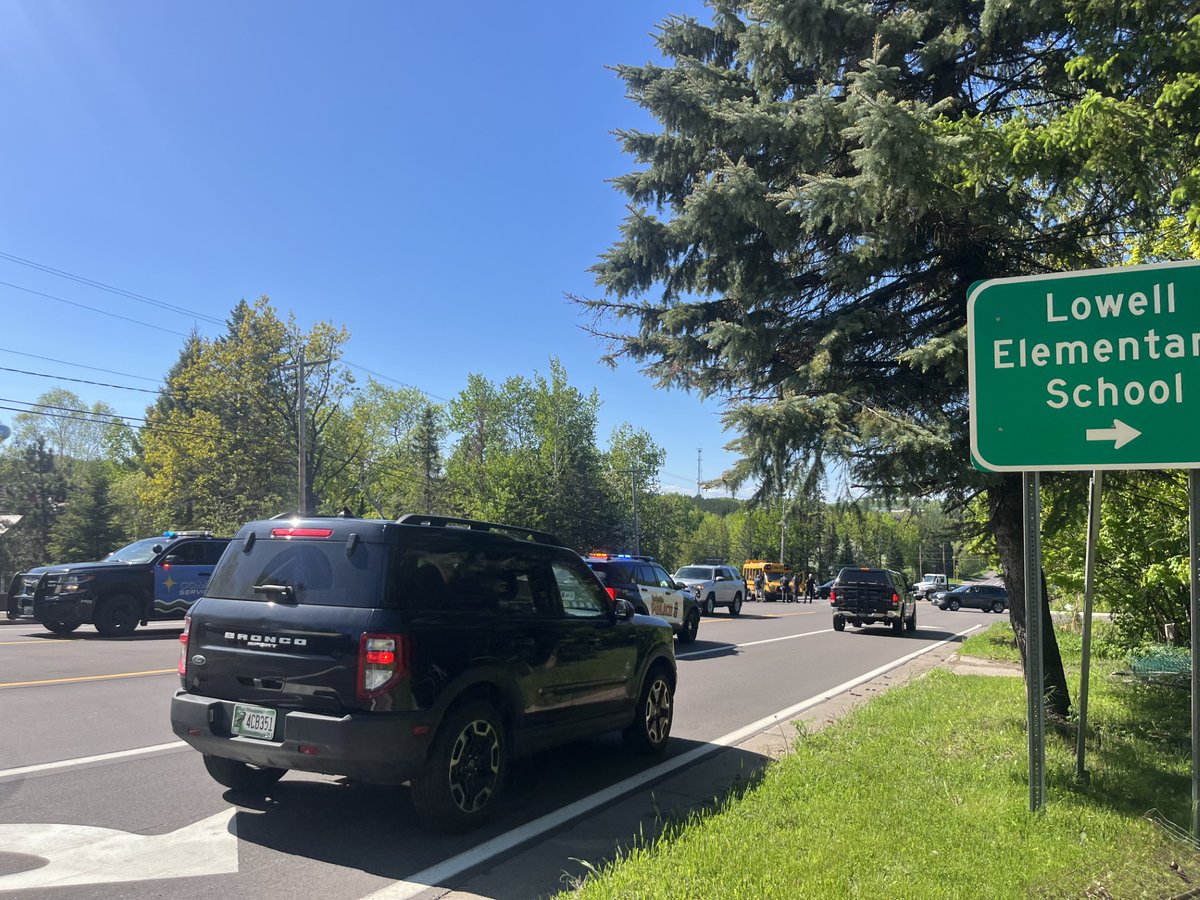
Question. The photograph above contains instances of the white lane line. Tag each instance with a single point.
(477, 856)
(724, 647)
(85, 760)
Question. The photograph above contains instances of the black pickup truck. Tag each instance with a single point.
(154, 578)
(863, 596)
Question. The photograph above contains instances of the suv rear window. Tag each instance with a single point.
(318, 572)
(873, 577)
(485, 580)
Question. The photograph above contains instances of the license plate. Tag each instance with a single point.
(253, 721)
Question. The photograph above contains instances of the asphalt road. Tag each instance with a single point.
(98, 798)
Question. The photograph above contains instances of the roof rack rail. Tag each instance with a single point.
(515, 531)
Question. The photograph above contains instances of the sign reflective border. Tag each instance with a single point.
(1098, 369)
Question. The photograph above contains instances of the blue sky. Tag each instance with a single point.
(433, 178)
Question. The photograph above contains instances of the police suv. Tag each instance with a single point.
(151, 579)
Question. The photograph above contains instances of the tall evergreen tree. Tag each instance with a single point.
(832, 175)
(86, 529)
(35, 489)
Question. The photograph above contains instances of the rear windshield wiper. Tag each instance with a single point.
(285, 591)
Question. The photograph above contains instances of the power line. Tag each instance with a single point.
(121, 387)
(140, 298)
(102, 312)
(393, 380)
(78, 365)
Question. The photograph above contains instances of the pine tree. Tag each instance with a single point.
(86, 529)
(829, 179)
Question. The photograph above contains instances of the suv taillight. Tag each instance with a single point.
(895, 599)
(382, 661)
(183, 645)
(612, 594)
(832, 596)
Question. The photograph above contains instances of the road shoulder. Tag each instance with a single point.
(565, 857)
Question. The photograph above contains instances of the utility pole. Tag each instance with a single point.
(699, 472)
(633, 473)
(302, 430)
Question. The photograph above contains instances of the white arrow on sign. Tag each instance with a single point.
(1121, 433)
(84, 854)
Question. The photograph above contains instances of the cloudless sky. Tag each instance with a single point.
(433, 177)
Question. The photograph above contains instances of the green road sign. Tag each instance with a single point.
(1086, 370)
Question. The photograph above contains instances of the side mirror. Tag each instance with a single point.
(720, 578)
(623, 609)
(172, 559)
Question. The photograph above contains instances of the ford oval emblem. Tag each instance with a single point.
(198, 660)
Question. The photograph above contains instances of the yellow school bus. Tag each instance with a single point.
(772, 573)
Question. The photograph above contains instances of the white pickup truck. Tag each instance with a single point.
(714, 586)
(930, 584)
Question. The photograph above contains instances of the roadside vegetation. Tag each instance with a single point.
(924, 793)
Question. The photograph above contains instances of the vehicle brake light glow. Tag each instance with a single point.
(183, 644)
(612, 593)
(382, 661)
(832, 596)
(895, 599)
(301, 532)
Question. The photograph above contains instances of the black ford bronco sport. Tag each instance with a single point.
(430, 650)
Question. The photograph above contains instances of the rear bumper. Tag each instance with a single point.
(875, 615)
(378, 748)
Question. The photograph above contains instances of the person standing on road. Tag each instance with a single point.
(810, 587)
(785, 588)
(759, 583)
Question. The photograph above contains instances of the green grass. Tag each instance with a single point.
(924, 793)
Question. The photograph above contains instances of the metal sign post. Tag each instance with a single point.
(1034, 676)
(1095, 489)
(1194, 553)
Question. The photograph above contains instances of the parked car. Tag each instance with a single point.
(152, 579)
(646, 584)
(430, 650)
(988, 597)
(823, 589)
(714, 586)
(865, 596)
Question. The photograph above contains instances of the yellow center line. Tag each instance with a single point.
(9, 684)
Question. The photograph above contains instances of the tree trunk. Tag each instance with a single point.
(1006, 519)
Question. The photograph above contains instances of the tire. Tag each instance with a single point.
(467, 769)
(691, 625)
(952, 606)
(997, 606)
(736, 608)
(118, 615)
(839, 623)
(241, 776)
(651, 726)
(710, 605)
(911, 624)
(60, 627)
(898, 625)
